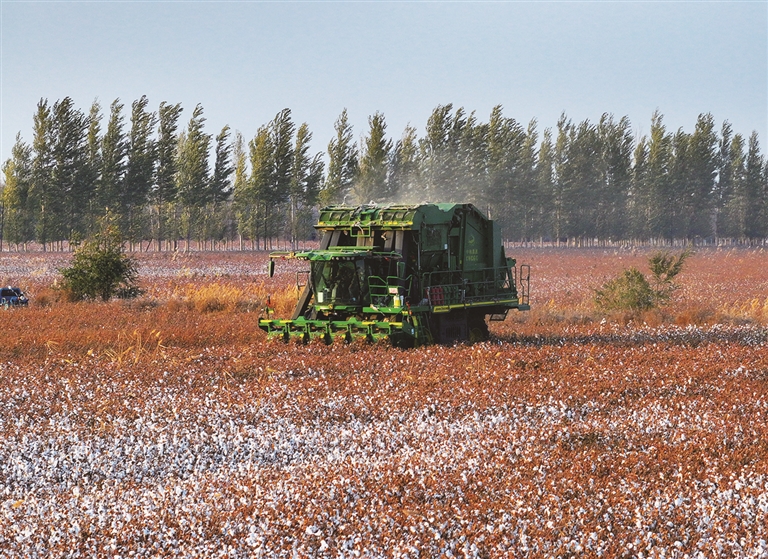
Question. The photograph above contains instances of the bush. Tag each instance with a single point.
(631, 291)
(628, 292)
(100, 268)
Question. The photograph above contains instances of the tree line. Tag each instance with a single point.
(167, 184)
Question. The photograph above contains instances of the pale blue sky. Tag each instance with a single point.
(245, 61)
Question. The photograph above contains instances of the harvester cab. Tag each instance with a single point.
(339, 283)
(412, 274)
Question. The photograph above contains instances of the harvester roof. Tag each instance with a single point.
(389, 217)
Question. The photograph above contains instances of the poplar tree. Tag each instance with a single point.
(581, 182)
(560, 172)
(242, 195)
(297, 196)
(372, 184)
(616, 145)
(724, 186)
(502, 192)
(164, 193)
(754, 192)
(71, 188)
(93, 165)
(659, 192)
(114, 149)
(342, 163)
(42, 173)
(404, 173)
(699, 186)
(306, 177)
(258, 197)
(16, 223)
(471, 155)
(140, 168)
(220, 187)
(638, 201)
(454, 172)
(313, 184)
(438, 152)
(281, 138)
(528, 193)
(193, 172)
(545, 185)
(676, 211)
(732, 218)
(281, 131)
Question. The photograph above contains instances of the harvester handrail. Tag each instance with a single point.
(523, 282)
(380, 287)
(450, 287)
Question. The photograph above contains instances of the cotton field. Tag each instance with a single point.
(570, 438)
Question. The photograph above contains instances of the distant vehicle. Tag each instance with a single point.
(12, 297)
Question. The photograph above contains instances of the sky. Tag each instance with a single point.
(244, 61)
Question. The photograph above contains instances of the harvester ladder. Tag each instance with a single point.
(524, 284)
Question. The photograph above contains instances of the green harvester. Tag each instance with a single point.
(414, 274)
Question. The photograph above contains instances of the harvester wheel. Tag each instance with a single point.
(402, 341)
(478, 329)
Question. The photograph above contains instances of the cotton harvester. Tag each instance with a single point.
(416, 275)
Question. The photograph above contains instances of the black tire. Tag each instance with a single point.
(478, 328)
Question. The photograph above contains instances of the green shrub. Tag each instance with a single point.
(628, 292)
(100, 267)
(631, 291)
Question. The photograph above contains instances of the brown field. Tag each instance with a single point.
(169, 426)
